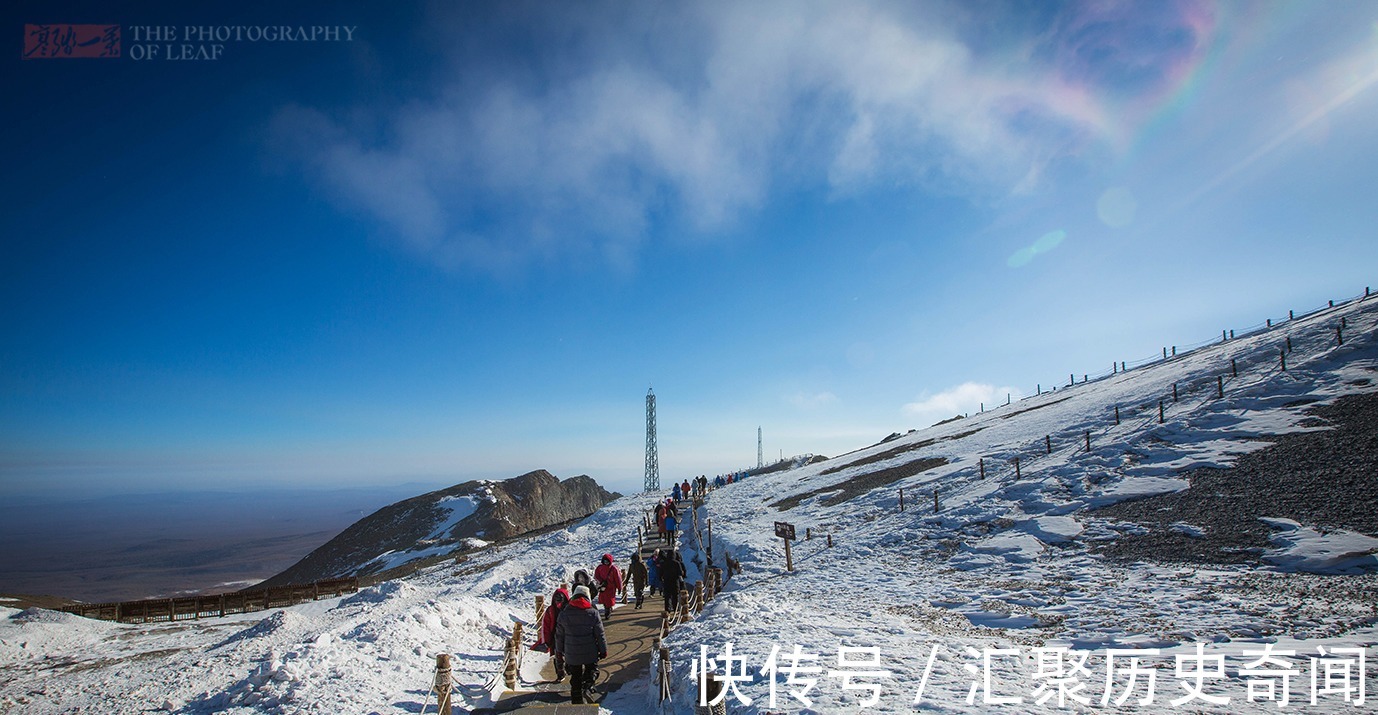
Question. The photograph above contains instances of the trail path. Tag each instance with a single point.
(629, 632)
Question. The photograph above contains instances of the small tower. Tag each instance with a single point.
(760, 455)
(652, 454)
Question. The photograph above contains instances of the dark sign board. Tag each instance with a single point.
(784, 530)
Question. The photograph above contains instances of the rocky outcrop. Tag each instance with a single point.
(460, 518)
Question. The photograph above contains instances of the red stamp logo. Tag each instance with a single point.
(45, 41)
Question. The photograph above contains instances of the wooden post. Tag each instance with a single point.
(1085, 377)
(1289, 343)
(935, 501)
(1270, 322)
(1160, 411)
(442, 684)
(1234, 369)
(1016, 468)
(540, 606)
(982, 463)
(1282, 356)
(683, 604)
(1117, 414)
(1291, 315)
(1039, 389)
(830, 541)
(698, 592)
(1071, 379)
(1048, 444)
(789, 559)
(1088, 440)
(1231, 333)
(1219, 386)
(901, 499)
(1339, 337)
(1174, 392)
(1124, 366)
(1224, 335)
(1332, 304)
(1174, 351)
(1164, 353)
(983, 407)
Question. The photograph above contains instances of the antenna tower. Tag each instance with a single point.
(760, 459)
(652, 453)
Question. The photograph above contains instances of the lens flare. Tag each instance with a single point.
(1117, 207)
(1045, 243)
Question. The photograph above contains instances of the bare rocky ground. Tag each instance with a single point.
(1326, 479)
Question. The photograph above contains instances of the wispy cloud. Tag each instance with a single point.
(811, 400)
(963, 398)
(495, 170)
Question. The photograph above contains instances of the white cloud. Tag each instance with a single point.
(497, 170)
(964, 398)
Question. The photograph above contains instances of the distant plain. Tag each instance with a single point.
(136, 546)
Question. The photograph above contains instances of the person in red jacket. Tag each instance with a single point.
(609, 580)
(558, 601)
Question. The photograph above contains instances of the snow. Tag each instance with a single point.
(1007, 564)
(1303, 548)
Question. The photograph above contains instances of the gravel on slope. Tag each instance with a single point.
(1327, 479)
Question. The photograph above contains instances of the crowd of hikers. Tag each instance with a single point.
(572, 627)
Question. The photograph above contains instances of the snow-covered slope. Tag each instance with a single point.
(1007, 592)
(448, 522)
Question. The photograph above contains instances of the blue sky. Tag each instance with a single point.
(465, 243)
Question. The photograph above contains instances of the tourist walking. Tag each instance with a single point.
(558, 601)
(638, 574)
(672, 576)
(609, 581)
(580, 639)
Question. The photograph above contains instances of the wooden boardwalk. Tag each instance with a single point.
(630, 634)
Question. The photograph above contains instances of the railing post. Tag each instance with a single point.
(442, 684)
(1016, 468)
(981, 462)
(698, 591)
(1160, 411)
(683, 604)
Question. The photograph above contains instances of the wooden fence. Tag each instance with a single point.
(189, 608)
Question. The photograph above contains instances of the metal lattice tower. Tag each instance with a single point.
(760, 455)
(652, 453)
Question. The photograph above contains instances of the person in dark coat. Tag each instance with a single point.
(638, 574)
(672, 576)
(582, 578)
(579, 639)
(558, 601)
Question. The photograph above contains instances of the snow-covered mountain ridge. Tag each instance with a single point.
(447, 522)
(996, 595)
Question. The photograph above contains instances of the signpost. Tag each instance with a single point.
(785, 531)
